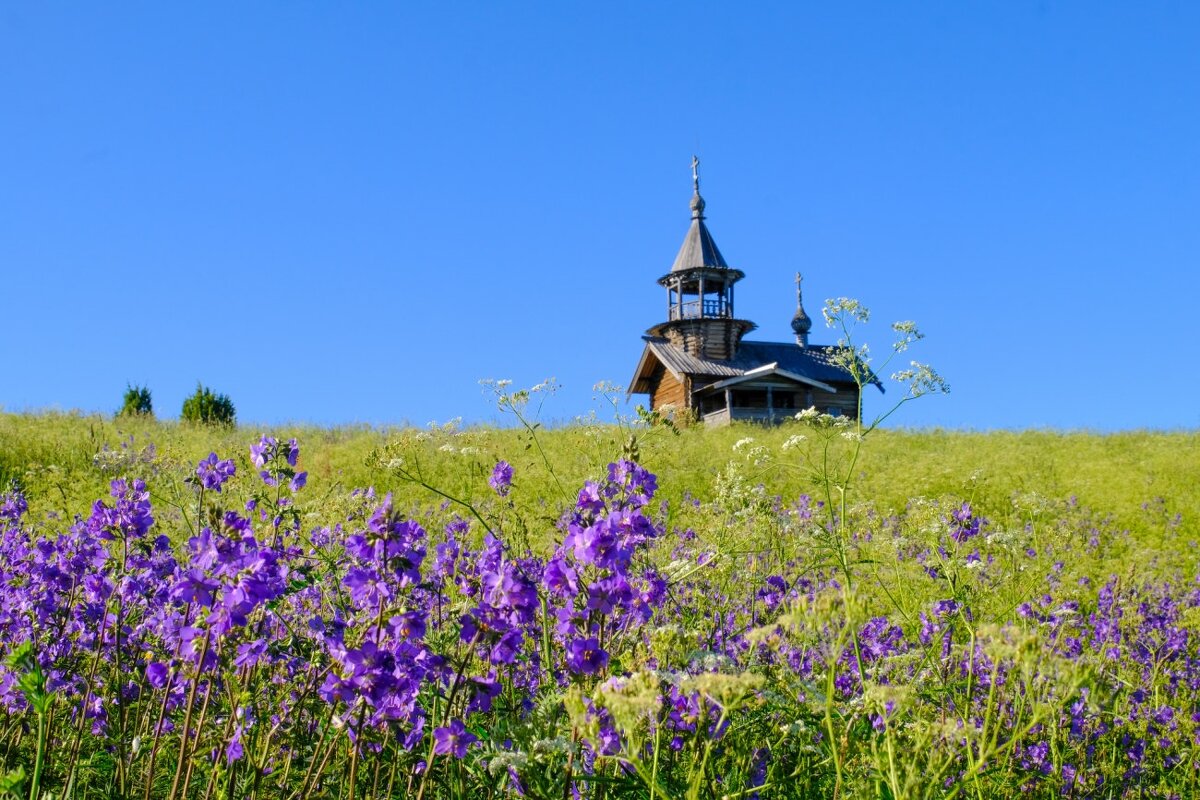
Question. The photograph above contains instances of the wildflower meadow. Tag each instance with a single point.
(541, 613)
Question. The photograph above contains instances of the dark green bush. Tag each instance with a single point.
(136, 402)
(207, 408)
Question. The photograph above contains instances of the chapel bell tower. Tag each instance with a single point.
(700, 317)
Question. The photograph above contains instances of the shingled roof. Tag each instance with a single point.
(814, 361)
(699, 249)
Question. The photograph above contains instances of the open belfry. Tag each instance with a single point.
(699, 362)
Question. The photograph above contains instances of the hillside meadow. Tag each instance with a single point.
(1141, 478)
(596, 610)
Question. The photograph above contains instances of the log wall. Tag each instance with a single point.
(665, 390)
(845, 401)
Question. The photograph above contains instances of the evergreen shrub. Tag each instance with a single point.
(136, 402)
(207, 408)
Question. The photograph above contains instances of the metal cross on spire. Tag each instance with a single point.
(696, 174)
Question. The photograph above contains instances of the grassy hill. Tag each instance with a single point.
(1142, 479)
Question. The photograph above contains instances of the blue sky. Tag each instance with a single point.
(353, 212)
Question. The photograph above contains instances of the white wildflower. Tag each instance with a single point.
(742, 443)
(502, 761)
(559, 744)
(794, 441)
(844, 308)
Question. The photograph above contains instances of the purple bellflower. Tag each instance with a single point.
(453, 740)
(501, 480)
(214, 473)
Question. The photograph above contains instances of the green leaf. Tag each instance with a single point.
(13, 782)
(19, 658)
(31, 681)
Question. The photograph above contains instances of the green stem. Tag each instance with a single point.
(312, 766)
(36, 781)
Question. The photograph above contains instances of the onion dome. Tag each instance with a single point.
(801, 322)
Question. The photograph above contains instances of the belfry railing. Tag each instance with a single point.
(712, 309)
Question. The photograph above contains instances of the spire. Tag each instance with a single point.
(697, 200)
(700, 317)
(801, 324)
(699, 249)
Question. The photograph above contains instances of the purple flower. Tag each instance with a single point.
(12, 506)
(585, 657)
(191, 640)
(335, 689)
(267, 452)
(501, 480)
(638, 483)
(483, 692)
(609, 739)
(561, 578)
(507, 647)
(590, 500)
(879, 721)
(453, 740)
(607, 594)
(214, 473)
(1037, 756)
(366, 587)
(250, 653)
(595, 544)
(194, 587)
(482, 625)
(235, 751)
(263, 452)
(392, 541)
(944, 608)
(409, 625)
(965, 524)
(297, 483)
(447, 555)
(156, 674)
(508, 590)
(129, 517)
(879, 639)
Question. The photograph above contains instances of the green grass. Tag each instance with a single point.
(1142, 479)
